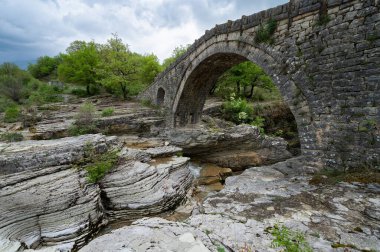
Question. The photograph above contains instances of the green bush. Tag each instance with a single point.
(84, 121)
(86, 114)
(12, 114)
(237, 110)
(46, 94)
(80, 92)
(265, 32)
(292, 241)
(100, 164)
(11, 137)
(259, 123)
(77, 130)
(108, 112)
(5, 103)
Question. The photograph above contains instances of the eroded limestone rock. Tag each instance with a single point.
(236, 147)
(45, 201)
(154, 234)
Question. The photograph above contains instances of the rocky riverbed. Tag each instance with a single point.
(234, 192)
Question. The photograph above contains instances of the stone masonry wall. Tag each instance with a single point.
(325, 59)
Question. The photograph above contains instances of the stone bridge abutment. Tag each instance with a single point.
(324, 56)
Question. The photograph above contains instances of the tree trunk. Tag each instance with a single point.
(238, 88)
(251, 92)
(124, 90)
(212, 91)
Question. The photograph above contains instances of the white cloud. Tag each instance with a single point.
(29, 29)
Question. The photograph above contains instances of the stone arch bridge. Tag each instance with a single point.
(324, 56)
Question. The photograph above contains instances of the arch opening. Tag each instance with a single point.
(204, 79)
(160, 96)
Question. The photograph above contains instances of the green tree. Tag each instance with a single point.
(80, 64)
(150, 67)
(45, 66)
(119, 67)
(241, 79)
(177, 52)
(13, 81)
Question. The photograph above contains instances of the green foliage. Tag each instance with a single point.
(323, 20)
(372, 37)
(149, 68)
(245, 80)
(108, 112)
(80, 92)
(119, 67)
(77, 130)
(367, 173)
(291, 241)
(259, 123)
(265, 32)
(100, 164)
(221, 249)
(237, 110)
(11, 137)
(148, 103)
(86, 114)
(45, 67)
(5, 103)
(79, 64)
(13, 81)
(12, 114)
(177, 52)
(45, 94)
(84, 121)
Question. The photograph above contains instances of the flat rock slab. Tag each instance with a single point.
(153, 234)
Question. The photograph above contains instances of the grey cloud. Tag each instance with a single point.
(29, 29)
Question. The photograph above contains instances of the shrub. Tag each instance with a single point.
(77, 130)
(100, 164)
(5, 103)
(11, 137)
(12, 114)
(323, 20)
(86, 114)
(237, 110)
(108, 112)
(46, 94)
(84, 121)
(259, 123)
(292, 241)
(265, 32)
(80, 92)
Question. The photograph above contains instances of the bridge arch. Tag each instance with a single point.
(213, 61)
(326, 70)
(160, 96)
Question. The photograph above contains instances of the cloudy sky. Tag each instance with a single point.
(33, 28)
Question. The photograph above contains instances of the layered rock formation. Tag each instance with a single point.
(236, 147)
(47, 202)
(341, 217)
(153, 234)
(43, 199)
